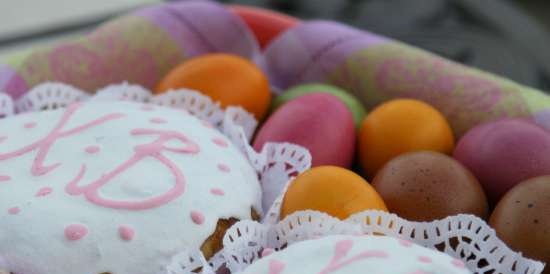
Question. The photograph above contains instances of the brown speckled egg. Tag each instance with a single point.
(522, 218)
(425, 186)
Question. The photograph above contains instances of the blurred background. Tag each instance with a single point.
(507, 37)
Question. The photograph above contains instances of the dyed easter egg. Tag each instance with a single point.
(229, 79)
(319, 122)
(351, 102)
(265, 24)
(333, 190)
(426, 186)
(521, 218)
(400, 126)
(503, 153)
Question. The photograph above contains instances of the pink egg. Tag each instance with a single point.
(503, 153)
(318, 121)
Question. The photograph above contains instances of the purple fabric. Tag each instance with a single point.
(11, 82)
(185, 39)
(317, 47)
(199, 27)
(120, 51)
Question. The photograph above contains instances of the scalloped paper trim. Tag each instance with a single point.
(464, 237)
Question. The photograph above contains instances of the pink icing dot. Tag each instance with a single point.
(276, 267)
(4, 178)
(126, 232)
(157, 120)
(418, 272)
(458, 263)
(14, 210)
(217, 191)
(30, 125)
(267, 251)
(405, 243)
(197, 217)
(206, 124)
(147, 108)
(424, 259)
(44, 192)
(224, 168)
(220, 142)
(3, 138)
(74, 232)
(92, 149)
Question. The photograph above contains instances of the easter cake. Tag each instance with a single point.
(116, 187)
(356, 254)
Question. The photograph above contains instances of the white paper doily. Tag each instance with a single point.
(465, 237)
(275, 164)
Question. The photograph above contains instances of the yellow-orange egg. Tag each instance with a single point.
(333, 190)
(228, 79)
(400, 126)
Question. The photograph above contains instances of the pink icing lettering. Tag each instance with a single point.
(154, 150)
(342, 249)
(4, 178)
(157, 120)
(276, 267)
(458, 263)
(197, 217)
(92, 149)
(224, 168)
(75, 232)
(43, 192)
(217, 191)
(424, 259)
(14, 210)
(43, 145)
(91, 191)
(220, 142)
(126, 232)
(30, 125)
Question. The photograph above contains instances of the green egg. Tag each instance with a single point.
(349, 100)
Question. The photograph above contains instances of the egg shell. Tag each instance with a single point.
(426, 186)
(228, 79)
(320, 122)
(336, 191)
(503, 153)
(351, 102)
(522, 219)
(400, 126)
(265, 24)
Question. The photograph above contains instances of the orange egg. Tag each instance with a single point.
(229, 79)
(400, 126)
(333, 190)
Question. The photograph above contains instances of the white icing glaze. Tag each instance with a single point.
(36, 207)
(356, 254)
